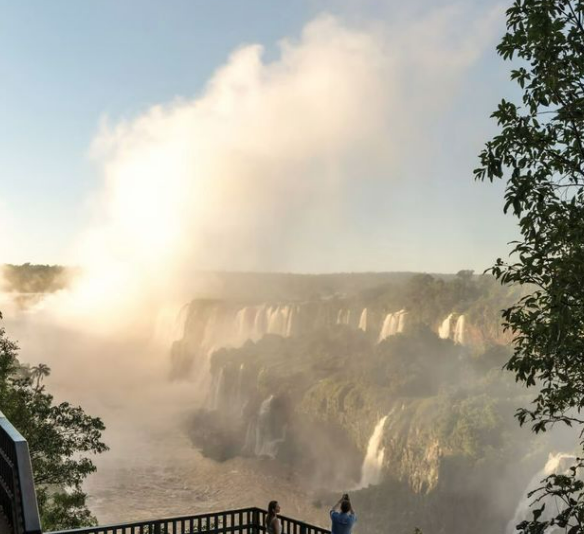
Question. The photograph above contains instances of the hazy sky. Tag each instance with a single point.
(293, 136)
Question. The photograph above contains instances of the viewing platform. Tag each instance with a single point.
(19, 510)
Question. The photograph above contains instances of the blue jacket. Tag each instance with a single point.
(342, 523)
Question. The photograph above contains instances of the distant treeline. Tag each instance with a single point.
(31, 278)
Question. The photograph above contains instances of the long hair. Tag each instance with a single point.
(271, 513)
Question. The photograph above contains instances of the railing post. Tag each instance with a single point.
(255, 522)
(17, 493)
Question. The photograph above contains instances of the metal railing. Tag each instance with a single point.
(242, 521)
(18, 504)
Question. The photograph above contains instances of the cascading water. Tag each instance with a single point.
(363, 320)
(458, 336)
(260, 322)
(217, 389)
(239, 396)
(557, 463)
(170, 324)
(269, 433)
(393, 324)
(444, 329)
(371, 469)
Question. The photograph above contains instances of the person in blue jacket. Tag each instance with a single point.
(343, 521)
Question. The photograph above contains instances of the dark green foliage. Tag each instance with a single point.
(28, 278)
(60, 437)
(540, 152)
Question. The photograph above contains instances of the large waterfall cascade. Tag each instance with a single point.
(371, 470)
(557, 463)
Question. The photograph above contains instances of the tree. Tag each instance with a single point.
(60, 437)
(540, 152)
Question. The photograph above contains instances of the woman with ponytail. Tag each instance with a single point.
(273, 525)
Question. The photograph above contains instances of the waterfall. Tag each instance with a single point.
(373, 462)
(240, 324)
(557, 463)
(170, 324)
(444, 329)
(239, 397)
(211, 328)
(267, 434)
(260, 322)
(217, 390)
(292, 318)
(343, 316)
(392, 324)
(459, 331)
(401, 322)
(363, 320)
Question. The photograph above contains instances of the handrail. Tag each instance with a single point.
(242, 521)
(18, 502)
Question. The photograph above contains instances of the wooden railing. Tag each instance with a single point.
(243, 521)
(18, 505)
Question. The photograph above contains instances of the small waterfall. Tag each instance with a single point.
(217, 390)
(373, 463)
(292, 319)
(459, 331)
(170, 325)
(211, 329)
(240, 324)
(393, 324)
(343, 316)
(267, 437)
(239, 396)
(401, 322)
(444, 329)
(557, 463)
(363, 320)
(260, 322)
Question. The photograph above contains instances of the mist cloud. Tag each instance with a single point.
(256, 171)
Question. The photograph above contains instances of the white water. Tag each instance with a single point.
(458, 336)
(371, 470)
(363, 320)
(557, 463)
(444, 329)
(392, 324)
(267, 440)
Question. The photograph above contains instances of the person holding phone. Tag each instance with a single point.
(343, 520)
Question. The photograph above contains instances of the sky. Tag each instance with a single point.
(305, 136)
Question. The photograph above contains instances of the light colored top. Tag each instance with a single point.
(275, 527)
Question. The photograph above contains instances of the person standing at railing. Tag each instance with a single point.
(273, 525)
(343, 521)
